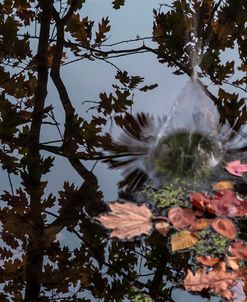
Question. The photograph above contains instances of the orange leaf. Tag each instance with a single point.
(225, 227)
(207, 260)
(127, 220)
(199, 224)
(223, 185)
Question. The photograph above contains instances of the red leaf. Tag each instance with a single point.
(224, 203)
(239, 249)
(225, 227)
(181, 218)
(236, 168)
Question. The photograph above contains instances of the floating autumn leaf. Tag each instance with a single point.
(199, 224)
(127, 220)
(218, 280)
(232, 262)
(239, 249)
(225, 203)
(207, 260)
(236, 168)
(181, 218)
(225, 227)
(201, 201)
(183, 240)
(223, 185)
(162, 227)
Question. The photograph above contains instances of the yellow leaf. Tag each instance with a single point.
(183, 240)
(223, 185)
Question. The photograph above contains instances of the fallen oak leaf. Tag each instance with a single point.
(218, 280)
(183, 240)
(181, 218)
(224, 227)
(236, 168)
(127, 220)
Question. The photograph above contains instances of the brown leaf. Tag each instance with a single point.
(183, 240)
(162, 227)
(223, 185)
(239, 249)
(218, 280)
(199, 224)
(181, 218)
(225, 227)
(207, 260)
(127, 220)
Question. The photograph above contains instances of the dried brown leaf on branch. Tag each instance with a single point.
(218, 280)
(127, 220)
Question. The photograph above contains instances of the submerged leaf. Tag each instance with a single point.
(183, 240)
(225, 227)
(127, 220)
